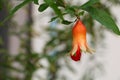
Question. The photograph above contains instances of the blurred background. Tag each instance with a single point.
(32, 48)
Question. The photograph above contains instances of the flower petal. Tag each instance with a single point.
(89, 50)
(74, 50)
(77, 55)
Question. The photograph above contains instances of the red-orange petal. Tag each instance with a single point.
(77, 55)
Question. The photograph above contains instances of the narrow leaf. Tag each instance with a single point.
(60, 3)
(36, 2)
(15, 10)
(102, 17)
(19, 6)
(43, 7)
(53, 19)
(66, 22)
(89, 3)
(54, 7)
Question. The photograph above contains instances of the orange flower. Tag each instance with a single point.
(79, 41)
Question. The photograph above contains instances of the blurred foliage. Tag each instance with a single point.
(57, 48)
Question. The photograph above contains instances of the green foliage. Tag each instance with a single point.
(55, 8)
(66, 22)
(70, 10)
(42, 7)
(100, 15)
(89, 3)
(60, 3)
(19, 6)
(103, 18)
(36, 2)
(14, 10)
(53, 19)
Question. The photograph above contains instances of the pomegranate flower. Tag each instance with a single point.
(79, 41)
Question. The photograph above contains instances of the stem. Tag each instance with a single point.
(29, 64)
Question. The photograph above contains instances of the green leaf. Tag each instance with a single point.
(60, 3)
(102, 17)
(36, 2)
(89, 3)
(81, 13)
(66, 22)
(12, 12)
(70, 10)
(43, 7)
(54, 18)
(54, 7)
(19, 6)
